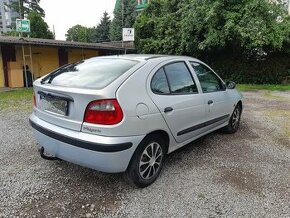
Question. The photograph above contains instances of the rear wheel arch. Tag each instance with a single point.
(153, 164)
(161, 133)
(240, 103)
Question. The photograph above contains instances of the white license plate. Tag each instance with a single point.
(53, 104)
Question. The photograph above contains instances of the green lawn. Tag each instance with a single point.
(16, 100)
(250, 87)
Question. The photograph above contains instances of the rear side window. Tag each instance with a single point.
(90, 74)
(159, 83)
(208, 80)
(173, 78)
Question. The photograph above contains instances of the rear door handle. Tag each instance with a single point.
(210, 102)
(168, 109)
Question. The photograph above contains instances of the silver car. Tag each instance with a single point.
(126, 113)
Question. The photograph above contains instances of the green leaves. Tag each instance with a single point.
(31, 10)
(100, 33)
(27, 6)
(103, 29)
(245, 27)
(158, 28)
(39, 28)
(121, 19)
(79, 33)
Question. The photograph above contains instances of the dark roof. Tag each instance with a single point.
(68, 44)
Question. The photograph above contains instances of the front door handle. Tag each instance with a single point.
(168, 109)
(210, 102)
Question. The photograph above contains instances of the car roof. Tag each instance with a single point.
(147, 57)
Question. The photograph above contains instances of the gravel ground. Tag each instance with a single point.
(242, 175)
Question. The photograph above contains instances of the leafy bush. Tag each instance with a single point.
(272, 70)
(245, 40)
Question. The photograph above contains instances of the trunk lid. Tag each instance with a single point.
(63, 106)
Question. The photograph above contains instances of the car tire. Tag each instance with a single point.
(147, 161)
(234, 121)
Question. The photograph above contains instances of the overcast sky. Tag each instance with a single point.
(64, 14)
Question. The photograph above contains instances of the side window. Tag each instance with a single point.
(159, 83)
(208, 80)
(180, 79)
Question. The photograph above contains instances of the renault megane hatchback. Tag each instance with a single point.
(125, 113)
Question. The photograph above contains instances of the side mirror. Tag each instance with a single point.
(231, 85)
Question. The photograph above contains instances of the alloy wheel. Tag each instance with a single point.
(150, 161)
(236, 118)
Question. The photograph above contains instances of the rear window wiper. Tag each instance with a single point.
(61, 70)
(52, 74)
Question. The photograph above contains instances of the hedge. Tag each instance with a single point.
(273, 69)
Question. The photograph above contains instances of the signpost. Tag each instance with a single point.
(23, 26)
(128, 35)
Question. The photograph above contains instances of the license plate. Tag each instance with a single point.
(53, 104)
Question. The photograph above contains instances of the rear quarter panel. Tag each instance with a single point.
(141, 116)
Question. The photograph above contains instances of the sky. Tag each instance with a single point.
(64, 14)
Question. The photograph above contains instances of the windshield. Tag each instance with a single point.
(90, 74)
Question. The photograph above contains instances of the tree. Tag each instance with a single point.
(102, 33)
(125, 19)
(26, 6)
(39, 28)
(79, 33)
(245, 27)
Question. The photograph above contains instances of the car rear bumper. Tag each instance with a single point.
(106, 154)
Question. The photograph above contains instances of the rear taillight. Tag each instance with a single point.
(104, 112)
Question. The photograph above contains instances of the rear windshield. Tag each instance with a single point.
(90, 74)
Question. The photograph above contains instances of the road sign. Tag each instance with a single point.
(23, 25)
(128, 34)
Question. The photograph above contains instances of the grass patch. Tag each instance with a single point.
(15, 100)
(251, 87)
(282, 119)
(271, 96)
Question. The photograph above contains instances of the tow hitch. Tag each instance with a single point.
(41, 151)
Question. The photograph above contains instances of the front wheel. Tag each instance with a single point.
(147, 161)
(234, 122)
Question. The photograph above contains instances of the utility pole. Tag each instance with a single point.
(21, 12)
(23, 49)
(53, 31)
(122, 13)
(122, 22)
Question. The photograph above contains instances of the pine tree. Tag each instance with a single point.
(102, 32)
(125, 21)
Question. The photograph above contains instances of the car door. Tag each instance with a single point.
(175, 93)
(214, 92)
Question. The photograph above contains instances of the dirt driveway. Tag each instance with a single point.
(241, 175)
